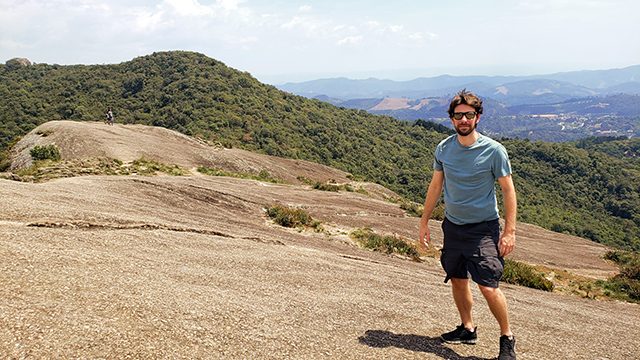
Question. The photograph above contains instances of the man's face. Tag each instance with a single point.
(465, 126)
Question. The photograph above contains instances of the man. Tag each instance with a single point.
(109, 117)
(467, 165)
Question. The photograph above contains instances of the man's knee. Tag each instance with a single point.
(489, 292)
(459, 283)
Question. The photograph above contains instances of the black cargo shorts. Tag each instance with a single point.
(472, 249)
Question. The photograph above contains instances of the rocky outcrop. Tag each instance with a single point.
(17, 63)
(191, 267)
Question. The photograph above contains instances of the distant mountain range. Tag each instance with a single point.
(436, 107)
(511, 90)
(554, 107)
(576, 118)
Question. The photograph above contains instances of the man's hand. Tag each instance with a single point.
(508, 238)
(507, 243)
(425, 236)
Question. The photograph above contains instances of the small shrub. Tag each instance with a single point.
(356, 177)
(144, 166)
(47, 152)
(626, 284)
(332, 186)
(619, 287)
(387, 244)
(44, 133)
(289, 217)
(305, 180)
(4, 163)
(263, 175)
(518, 273)
(212, 171)
(326, 187)
(412, 209)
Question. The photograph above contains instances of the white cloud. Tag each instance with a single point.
(246, 40)
(309, 26)
(350, 40)
(148, 21)
(419, 36)
(285, 36)
(294, 22)
(570, 5)
(12, 45)
(230, 5)
(190, 8)
(416, 36)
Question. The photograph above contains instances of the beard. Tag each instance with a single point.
(469, 129)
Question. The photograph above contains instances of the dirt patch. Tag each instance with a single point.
(392, 104)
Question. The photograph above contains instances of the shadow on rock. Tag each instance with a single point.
(383, 339)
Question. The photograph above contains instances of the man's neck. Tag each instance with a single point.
(468, 140)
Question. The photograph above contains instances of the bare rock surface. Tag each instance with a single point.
(191, 267)
(85, 140)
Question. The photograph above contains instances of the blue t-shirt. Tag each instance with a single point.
(470, 175)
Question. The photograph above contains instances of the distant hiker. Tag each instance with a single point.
(109, 117)
(467, 165)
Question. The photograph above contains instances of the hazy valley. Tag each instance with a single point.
(553, 107)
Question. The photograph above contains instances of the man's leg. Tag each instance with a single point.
(498, 306)
(463, 299)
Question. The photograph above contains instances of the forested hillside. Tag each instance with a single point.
(562, 187)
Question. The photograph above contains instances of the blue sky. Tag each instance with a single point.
(279, 41)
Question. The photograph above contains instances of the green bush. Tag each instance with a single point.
(263, 175)
(326, 187)
(626, 284)
(47, 152)
(212, 171)
(4, 163)
(412, 208)
(518, 273)
(387, 244)
(144, 166)
(305, 180)
(622, 288)
(289, 217)
(332, 187)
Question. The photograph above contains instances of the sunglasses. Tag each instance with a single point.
(470, 115)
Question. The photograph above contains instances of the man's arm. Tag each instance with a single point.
(430, 201)
(508, 237)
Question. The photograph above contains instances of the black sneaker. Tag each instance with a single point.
(507, 348)
(460, 335)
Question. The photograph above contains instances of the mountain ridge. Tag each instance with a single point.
(201, 97)
(596, 80)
